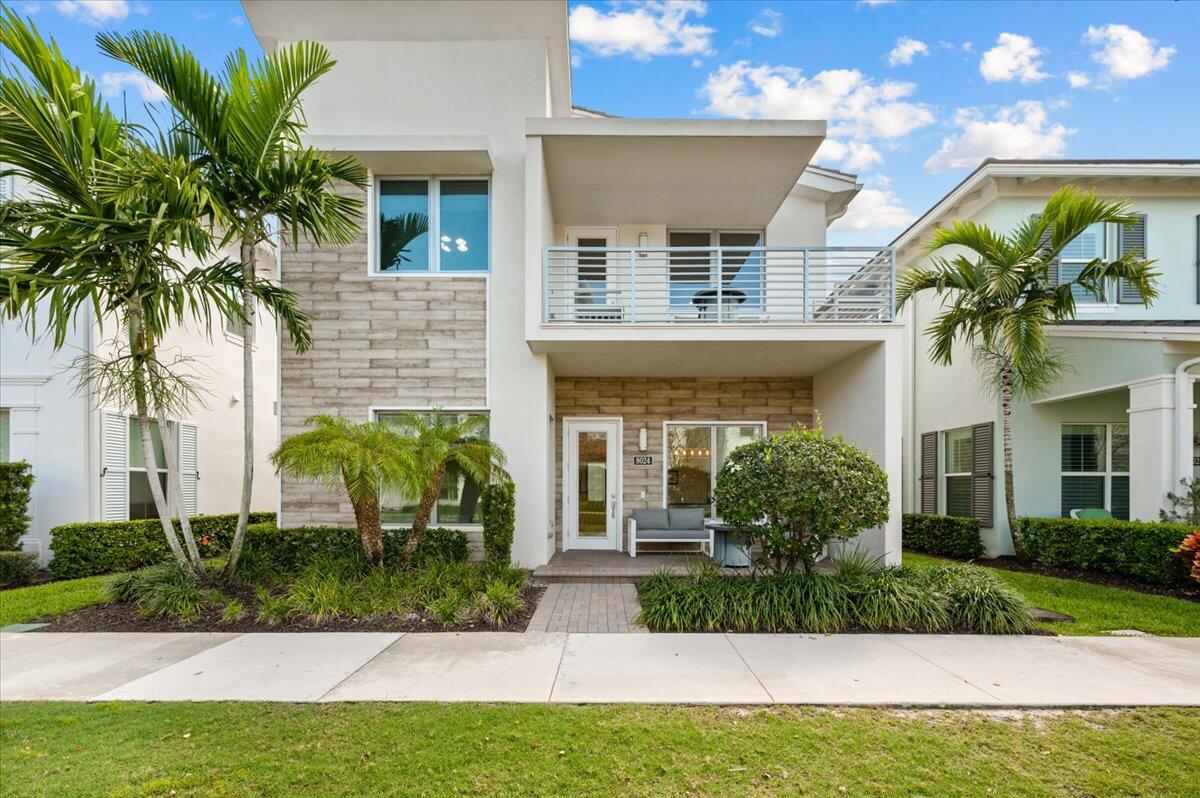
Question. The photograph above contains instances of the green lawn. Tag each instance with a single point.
(53, 598)
(430, 749)
(1098, 609)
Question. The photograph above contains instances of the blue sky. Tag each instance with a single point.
(915, 93)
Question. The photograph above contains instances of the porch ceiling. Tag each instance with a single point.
(682, 173)
(696, 359)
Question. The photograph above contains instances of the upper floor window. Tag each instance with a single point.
(1107, 242)
(430, 225)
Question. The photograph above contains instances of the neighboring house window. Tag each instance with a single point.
(458, 503)
(958, 471)
(695, 453)
(141, 501)
(1095, 468)
(433, 225)
(1091, 244)
(5, 427)
(738, 270)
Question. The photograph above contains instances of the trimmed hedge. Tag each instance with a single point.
(16, 480)
(498, 505)
(292, 549)
(17, 568)
(101, 547)
(947, 535)
(1138, 550)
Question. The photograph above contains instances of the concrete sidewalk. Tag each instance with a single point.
(901, 670)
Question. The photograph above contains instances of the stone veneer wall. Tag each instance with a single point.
(648, 402)
(377, 341)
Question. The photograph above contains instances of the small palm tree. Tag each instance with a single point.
(1000, 297)
(432, 443)
(356, 458)
(244, 128)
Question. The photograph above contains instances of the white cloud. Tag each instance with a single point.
(968, 47)
(855, 155)
(1018, 131)
(97, 12)
(642, 30)
(1078, 80)
(873, 3)
(1125, 53)
(1013, 58)
(113, 83)
(769, 23)
(906, 49)
(873, 209)
(236, 20)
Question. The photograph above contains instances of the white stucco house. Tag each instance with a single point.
(1123, 428)
(87, 458)
(626, 300)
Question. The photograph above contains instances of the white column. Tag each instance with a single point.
(19, 394)
(1151, 445)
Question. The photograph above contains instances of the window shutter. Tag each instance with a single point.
(187, 466)
(1053, 271)
(1131, 238)
(982, 478)
(114, 467)
(929, 446)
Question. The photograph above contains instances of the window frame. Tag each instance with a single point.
(946, 473)
(173, 427)
(1109, 299)
(714, 467)
(435, 225)
(1108, 473)
(714, 269)
(374, 415)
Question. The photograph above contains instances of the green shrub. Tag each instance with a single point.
(945, 535)
(294, 549)
(1139, 550)
(795, 492)
(101, 547)
(893, 599)
(498, 602)
(163, 591)
(16, 481)
(17, 568)
(498, 506)
(977, 601)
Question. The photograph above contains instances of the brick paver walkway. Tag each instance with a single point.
(594, 606)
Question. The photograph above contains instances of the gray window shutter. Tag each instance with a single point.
(929, 446)
(982, 477)
(1053, 271)
(114, 467)
(1131, 238)
(187, 466)
(1198, 258)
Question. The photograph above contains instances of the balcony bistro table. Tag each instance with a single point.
(706, 300)
(729, 549)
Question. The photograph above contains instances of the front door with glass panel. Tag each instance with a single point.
(591, 484)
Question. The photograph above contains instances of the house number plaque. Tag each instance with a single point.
(643, 460)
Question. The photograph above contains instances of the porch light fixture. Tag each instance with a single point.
(643, 240)
(643, 437)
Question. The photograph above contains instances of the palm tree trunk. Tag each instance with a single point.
(370, 530)
(248, 313)
(167, 432)
(1010, 499)
(421, 520)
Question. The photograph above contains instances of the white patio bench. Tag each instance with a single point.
(684, 525)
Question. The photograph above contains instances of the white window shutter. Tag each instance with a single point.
(114, 467)
(187, 466)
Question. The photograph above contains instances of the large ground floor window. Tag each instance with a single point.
(141, 501)
(695, 452)
(457, 504)
(1095, 468)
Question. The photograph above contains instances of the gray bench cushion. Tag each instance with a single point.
(672, 534)
(649, 518)
(687, 518)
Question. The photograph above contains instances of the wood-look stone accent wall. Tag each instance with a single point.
(648, 402)
(377, 341)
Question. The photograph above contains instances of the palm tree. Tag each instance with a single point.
(1000, 296)
(395, 235)
(433, 443)
(244, 127)
(356, 458)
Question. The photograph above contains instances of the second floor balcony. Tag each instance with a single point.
(722, 285)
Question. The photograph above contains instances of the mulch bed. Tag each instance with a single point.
(121, 616)
(1009, 563)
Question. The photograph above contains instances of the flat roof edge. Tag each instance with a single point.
(619, 126)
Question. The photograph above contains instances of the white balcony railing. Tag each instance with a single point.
(719, 285)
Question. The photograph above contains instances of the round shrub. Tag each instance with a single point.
(17, 568)
(16, 482)
(795, 492)
(498, 506)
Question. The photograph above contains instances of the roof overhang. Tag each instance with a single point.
(678, 172)
(412, 155)
(829, 186)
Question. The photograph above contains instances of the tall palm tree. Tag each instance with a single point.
(244, 127)
(999, 293)
(356, 458)
(433, 443)
(73, 244)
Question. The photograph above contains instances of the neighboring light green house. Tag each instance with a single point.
(1122, 429)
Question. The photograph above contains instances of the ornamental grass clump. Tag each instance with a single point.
(978, 602)
(163, 591)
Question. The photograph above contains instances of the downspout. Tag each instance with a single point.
(1183, 408)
